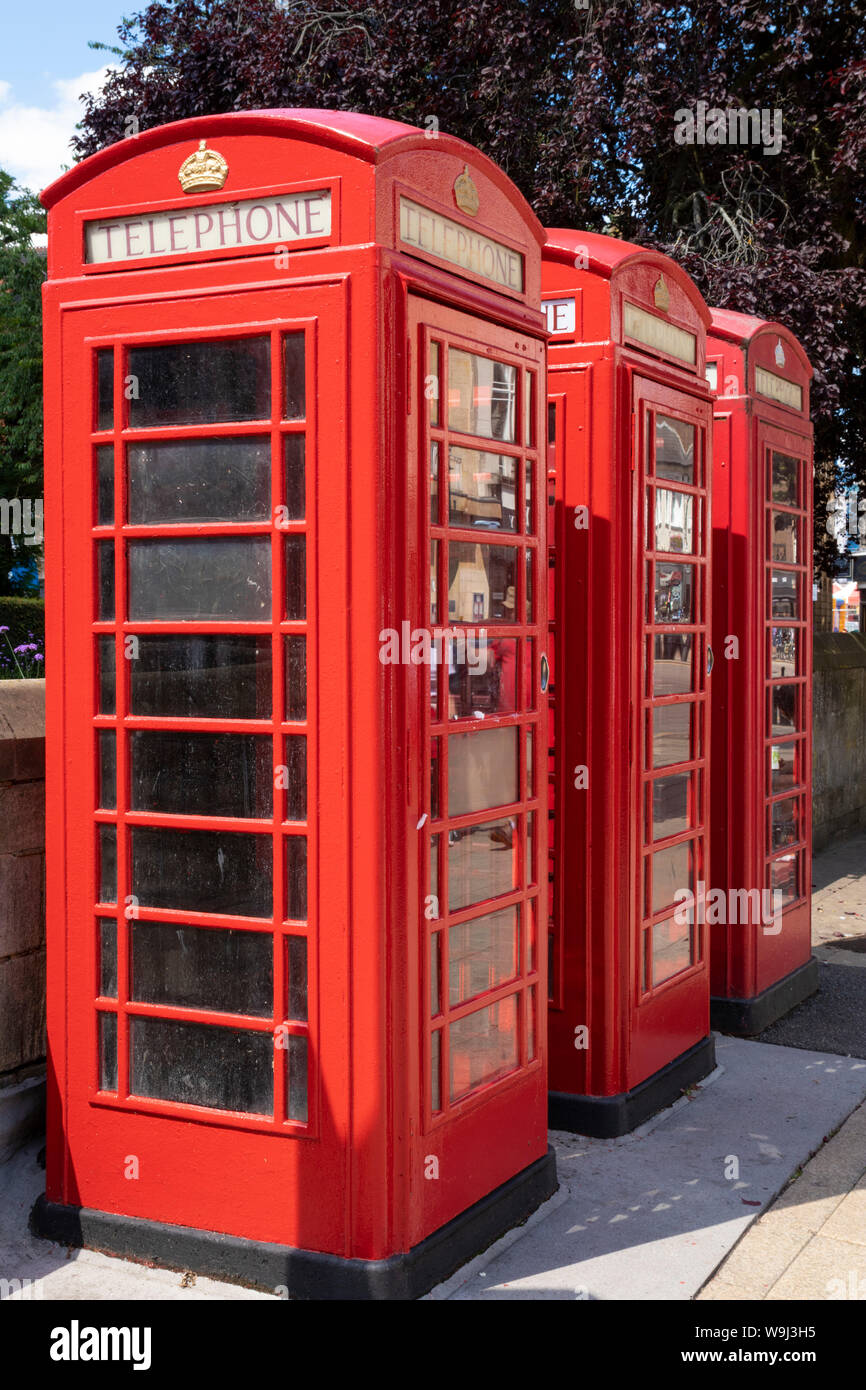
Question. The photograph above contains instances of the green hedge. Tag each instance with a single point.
(22, 616)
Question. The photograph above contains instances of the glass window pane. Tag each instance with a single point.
(482, 489)
(434, 779)
(105, 389)
(784, 709)
(784, 474)
(783, 767)
(296, 578)
(200, 1064)
(481, 396)
(296, 780)
(671, 735)
(530, 588)
(482, 582)
(200, 383)
(105, 485)
(296, 878)
(294, 447)
(198, 480)
(527, 495)
(295, 383)
(784, 651)
(671, 949)
(203, 968)
(531, 1023)
(674, 593)
(482, 954)
(434, 581)
(203, 871)
(672, 870)
(674, 450)
(670, 805)
(107, 864)
(673, 521)
(107, 928)
(296, 678)
(107, 769)
(431, 385)
(107, 1051)
(482, 676)
(105, 558)
(434, 873)
(106, 656)
(482, 862)
(785, 822)
(785, 878)
(296, 1087)
(529, 408)
(530, 762)
(673, 663)
(435, 1070)
(435, 982)
(220, 578)
(204, 676)
(201, 774)
(785, 594)
(434, 483)
(296, 950)
(784, 537)
(483, 1046)
(482, 770)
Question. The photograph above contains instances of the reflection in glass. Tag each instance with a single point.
(434, 483)
(434, 581)
(785, 878)
(431, 386)
(482, 676)
(106, 653)
(671, 950)
(193, 774)
(482, 862)
(200, 383)
(671, 735)
(105, 557)
(105, 485)
(296, 1087)
(481, 396)
(296, 878)
(674, 593)
(107, 957)
(435, 975)
(482, 770)
(219, 578)
(672, 871)
(528, 409)
(203, 870)
(296, 578)
(193, 480)
(482, 489)
(107, 864)
(783, 767)
(482, 582)
(203, 968)
(785, 823)
(784, 647)
(673, 527)
(483, 1046)
(296, 781)
(530, 588)
(482, 954)
(530, 762)
(785, 595)
(204, 675)
(105, 389)
(295, 404)
(675, 450)
(296, 678)
(296, 947)
(435, 1070)
(784, 477)
(294, 449)
(107, 1051)
(107, 769)
(783, 709)
(784, 537)
(200, 1064)
(673, 666)
(670, 805)
(434, 778)
(434, 871)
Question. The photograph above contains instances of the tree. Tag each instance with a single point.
(579, 104)
(22, 271)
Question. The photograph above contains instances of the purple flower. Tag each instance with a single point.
(37, 657)
(4, 629)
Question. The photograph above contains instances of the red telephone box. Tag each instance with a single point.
(761, 818)
(297, 1016)
(629, 477)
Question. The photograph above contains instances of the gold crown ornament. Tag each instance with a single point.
(203, 170)
(661, 295)
(465, 193)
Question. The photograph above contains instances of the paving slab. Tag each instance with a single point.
(652, 1215)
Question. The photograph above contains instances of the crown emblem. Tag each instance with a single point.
(203, 170)
(465, 193)
(661, 295)
(780, 353)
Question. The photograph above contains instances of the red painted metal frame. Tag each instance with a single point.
(605, 389)
(746, 960)
(351, 1181)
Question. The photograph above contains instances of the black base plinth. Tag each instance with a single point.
(746, 1017)
(609, 1117)
(306, 1274)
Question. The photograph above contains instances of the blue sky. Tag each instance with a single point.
(44, 65)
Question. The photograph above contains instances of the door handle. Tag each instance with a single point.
(710, 658)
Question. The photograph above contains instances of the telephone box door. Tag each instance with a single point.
(193, 723)
(669, 731)
(476, 491)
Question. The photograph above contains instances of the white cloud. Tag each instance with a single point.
(35, 140)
